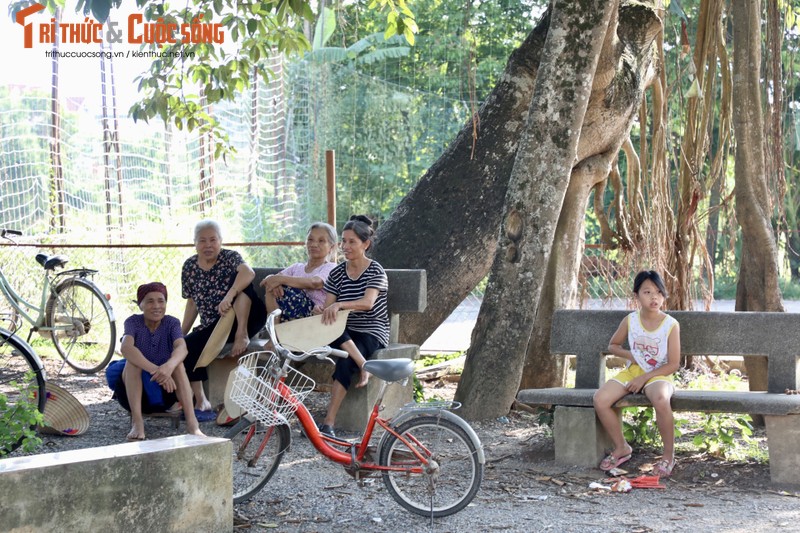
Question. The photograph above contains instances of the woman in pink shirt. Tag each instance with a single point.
(297, 289)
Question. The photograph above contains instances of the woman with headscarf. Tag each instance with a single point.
(154, 350)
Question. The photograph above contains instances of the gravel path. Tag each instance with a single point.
(523, 489)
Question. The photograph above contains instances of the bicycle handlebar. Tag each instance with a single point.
(4, 232)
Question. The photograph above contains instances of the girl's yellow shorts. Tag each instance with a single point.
(634, 371)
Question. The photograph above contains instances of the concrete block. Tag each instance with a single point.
(218, 372)
(175, 484)
(357, 405)
(579, 437)
(783, 439)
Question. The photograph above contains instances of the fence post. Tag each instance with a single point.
(330, 174)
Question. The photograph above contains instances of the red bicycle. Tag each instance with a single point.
(431, 460)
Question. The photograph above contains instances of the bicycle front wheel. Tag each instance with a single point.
(85, 330)
(9, 316)
(257, 452)
(450, 476)
(22, 390)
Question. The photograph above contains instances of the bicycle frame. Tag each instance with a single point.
(327, 446)
(22, 306)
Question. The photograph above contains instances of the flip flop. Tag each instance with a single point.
(135, 439)
(664, 468)
(610, 462)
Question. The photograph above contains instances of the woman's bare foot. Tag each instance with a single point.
(364, 379)
(202, 404)
(239, 346)
(136, 434)
(195, 431)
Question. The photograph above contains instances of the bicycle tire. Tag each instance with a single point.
(22, 378)
(448, 483)
(249, 479)
(89, 345)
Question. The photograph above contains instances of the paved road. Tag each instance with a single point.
(454, 334)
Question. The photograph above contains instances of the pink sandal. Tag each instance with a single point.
(610, 462)
(663, 468)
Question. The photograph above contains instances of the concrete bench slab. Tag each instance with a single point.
(178, 484)
(761, 403)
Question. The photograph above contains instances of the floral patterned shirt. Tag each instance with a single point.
(208, 287)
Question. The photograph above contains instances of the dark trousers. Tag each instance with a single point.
(197, 339)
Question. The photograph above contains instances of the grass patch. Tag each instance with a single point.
(434, 359)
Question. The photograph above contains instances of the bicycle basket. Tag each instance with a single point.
(259, 391)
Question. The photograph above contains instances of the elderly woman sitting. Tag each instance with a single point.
(216, 281)
(154, 350)
(297, 289)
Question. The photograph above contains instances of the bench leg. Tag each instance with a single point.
(783, 436)
(579, 437)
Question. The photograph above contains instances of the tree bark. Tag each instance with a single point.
(456, 207)
(624, 71)
(560, 282)
(448, 223)
(757, 288)
(539, 178)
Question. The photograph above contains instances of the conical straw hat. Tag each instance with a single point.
(217, 340)
(63, 413)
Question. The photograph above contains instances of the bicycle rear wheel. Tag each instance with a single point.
(22, 388)
(251, 473)
(87, 339)
(449, 480)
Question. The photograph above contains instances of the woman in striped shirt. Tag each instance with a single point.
(359, 285)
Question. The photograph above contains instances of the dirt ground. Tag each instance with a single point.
(523, 488)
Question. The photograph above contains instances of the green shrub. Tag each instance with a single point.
(718, 435)
(20, 419)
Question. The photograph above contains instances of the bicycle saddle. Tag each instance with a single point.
(51, 262)
(390, 369)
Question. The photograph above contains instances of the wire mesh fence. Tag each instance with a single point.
(122, 269)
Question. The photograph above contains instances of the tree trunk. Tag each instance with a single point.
(559, 287)
(457, 205)
(448, 223)
(617, 90)
(757, 288)
(539, 178)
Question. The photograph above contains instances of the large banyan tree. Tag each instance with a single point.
(513, 200)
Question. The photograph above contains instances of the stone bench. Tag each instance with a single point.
(407, 294)
(581, 440)
(175, 484)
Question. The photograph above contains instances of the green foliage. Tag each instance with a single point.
(546, 417)
(706, 380)
(18, 419)
(419, 391)
(434, 359)
(719, 431)
(424, 362)
(725, 288)
(639, 427)
(189, 77)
